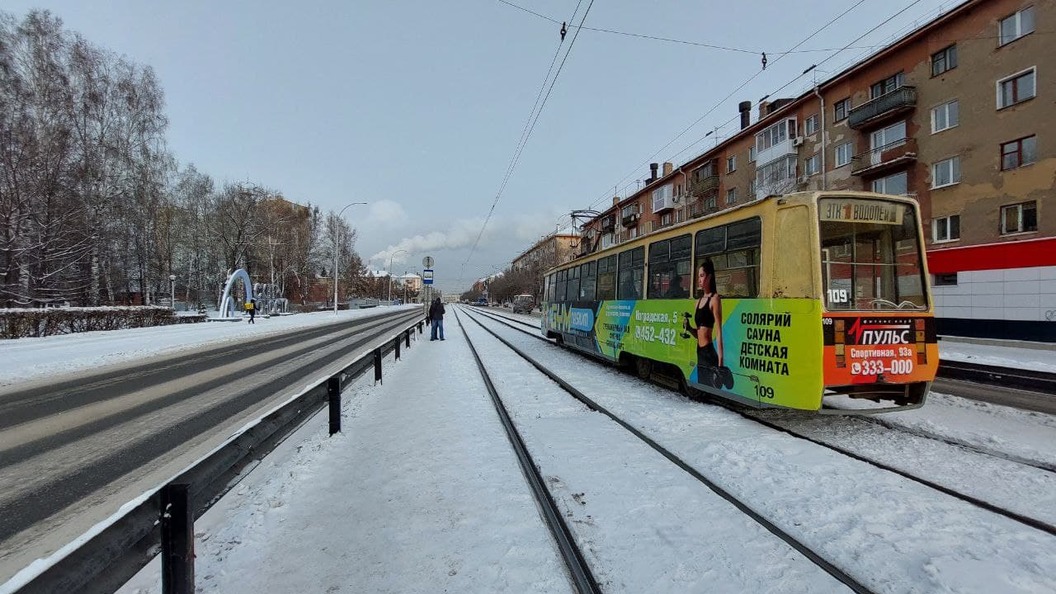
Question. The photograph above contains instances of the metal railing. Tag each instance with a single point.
(897, 101)
(884, 157)
(701, 186)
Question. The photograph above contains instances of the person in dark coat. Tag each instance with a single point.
(251, 307)
(436, 317)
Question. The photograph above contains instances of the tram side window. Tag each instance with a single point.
(631, 271)
(562, 281)
(659, 271)
(588, 282)
(681, 285)
(573, 284)
(734, 251)
(669, 268)
(607, 278)
(547, 289)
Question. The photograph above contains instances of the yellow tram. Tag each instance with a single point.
(792, 301)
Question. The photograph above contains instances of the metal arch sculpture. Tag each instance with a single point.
(227, 304)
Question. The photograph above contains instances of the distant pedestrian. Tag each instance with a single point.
(436, 316)
(251, 307)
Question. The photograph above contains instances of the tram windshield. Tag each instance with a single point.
(871, 256)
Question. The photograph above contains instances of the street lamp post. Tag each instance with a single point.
(391, 256)
(337, 232)
(172, 291)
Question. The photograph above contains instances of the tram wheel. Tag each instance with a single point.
(643, 367)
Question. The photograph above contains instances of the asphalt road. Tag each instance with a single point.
(74, 450)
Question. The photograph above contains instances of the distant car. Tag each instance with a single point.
(482, 301)
(523, 304)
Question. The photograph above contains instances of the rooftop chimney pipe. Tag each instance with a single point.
(653, 167)
(745, 107)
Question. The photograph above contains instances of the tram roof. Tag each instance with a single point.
(806, 197)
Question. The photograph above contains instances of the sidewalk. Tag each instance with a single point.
(1018, 354)
(424, 448)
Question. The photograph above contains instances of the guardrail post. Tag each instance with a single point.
(333, 390)
(397, 341)
(177, 540)
(377, 365)
(407, 337)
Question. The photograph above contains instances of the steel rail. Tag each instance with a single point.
(816, 558)
(579, 570)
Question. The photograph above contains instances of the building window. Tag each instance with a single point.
(1018, 153)
(945, 116)
(945, 280)
(946, 172)
(1016, 25)
(751, 188)
(812, 166)
(811, 125)
(944, 60)
(886, 86)
(1016, 89)
(1019, 218)
(892, 184)
(844, 152)
(731, 196)
(731, 164)
(946, 228)
(840, 109)
(893, 135)
(712, 204)
(777, 176)
(775, 134)
(751, 154)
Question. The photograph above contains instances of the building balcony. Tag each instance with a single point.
(779, 150)
(700, 187)
(896, 102)
(885, 158)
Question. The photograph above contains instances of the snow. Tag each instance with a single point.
(421, 492)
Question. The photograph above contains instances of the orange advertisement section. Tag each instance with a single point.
(870, 349)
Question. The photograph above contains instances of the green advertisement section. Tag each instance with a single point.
(771, 348)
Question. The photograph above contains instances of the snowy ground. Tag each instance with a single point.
(420, 493)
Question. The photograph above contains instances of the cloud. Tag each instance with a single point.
(462, 234)
(385, 213)
(508, 236)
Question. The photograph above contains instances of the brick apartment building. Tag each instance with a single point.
(548, 251)
(958, 113)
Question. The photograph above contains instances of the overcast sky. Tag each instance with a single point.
(417, 106)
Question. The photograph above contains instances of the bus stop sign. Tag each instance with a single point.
(427, 276)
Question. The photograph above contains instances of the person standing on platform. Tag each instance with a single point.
(251, 307)
(436, 316)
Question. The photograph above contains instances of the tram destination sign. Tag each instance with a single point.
(862, 211)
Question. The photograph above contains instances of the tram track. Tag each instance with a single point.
(743, 506)
(1021, 379)
(575, 561)
(758, 417)
(1049, 467)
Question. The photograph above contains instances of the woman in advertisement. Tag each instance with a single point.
(708, 330)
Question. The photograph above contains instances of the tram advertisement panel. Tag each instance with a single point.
(876, 348)
(770, 348)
